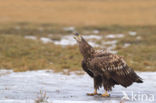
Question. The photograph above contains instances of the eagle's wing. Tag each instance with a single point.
(119, 71)
(86, 69)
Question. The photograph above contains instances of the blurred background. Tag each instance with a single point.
(37, 34)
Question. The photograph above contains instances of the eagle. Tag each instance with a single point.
(105, 68)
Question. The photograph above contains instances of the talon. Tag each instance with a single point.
(91, 94)
(105, 94)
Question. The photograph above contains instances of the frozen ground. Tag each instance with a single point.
(23, 87)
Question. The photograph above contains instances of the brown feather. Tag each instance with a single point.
(106, 68)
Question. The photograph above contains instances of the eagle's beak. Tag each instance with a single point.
(77, 37)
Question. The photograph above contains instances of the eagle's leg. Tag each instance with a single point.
(105, 94)
(97, 84)
(95, 89)
(92, 94)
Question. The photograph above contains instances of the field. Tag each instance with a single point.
(23, 54)
(49, 18)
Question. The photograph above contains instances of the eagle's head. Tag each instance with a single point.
(85, 49)
(78, 37)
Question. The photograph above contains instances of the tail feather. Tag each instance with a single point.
(139, 80)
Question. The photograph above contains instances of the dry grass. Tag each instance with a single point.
(141, 54)
(42, 97)
(22, 54)
(80, 12)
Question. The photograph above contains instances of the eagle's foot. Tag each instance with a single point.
(105, 95)
(91, 94)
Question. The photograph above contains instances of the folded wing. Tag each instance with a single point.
(119, 71)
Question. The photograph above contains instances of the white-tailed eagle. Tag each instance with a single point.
(105, 68)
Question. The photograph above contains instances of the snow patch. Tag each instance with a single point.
(30, 37)
(66, 40)
(46, 40)
(93, 44)
(132, 33)
(69, 40)
(111, 47)
(112, 36)
(110, 42)
(92, 37)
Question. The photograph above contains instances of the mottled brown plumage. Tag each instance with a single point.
(105, 68)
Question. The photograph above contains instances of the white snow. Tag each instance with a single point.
(93, 44)
(66, 40)
(112, 36)
(23, 87)
(31, 37)
(69, 40)
(46, 40)
(110, 42)
(92, 37)
(132, 33)
(111, 47)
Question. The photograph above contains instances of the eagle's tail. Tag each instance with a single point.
(139, 80)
